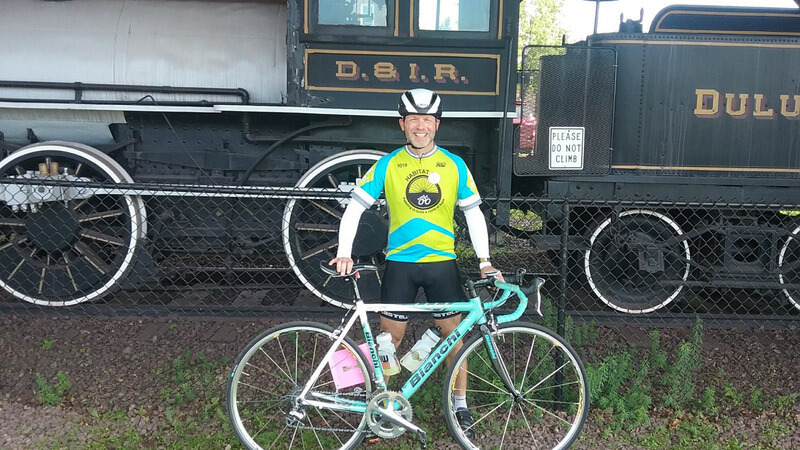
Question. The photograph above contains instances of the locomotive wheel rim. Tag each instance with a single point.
(82, 254)
(610, 301)
(781, 259)
(289, 232)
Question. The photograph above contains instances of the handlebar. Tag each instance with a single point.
(514, 284)
(356, 268)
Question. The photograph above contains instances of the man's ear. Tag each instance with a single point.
(403, 124)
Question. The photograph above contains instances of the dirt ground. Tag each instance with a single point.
(113, 364)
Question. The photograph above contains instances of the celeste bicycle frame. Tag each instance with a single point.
(477, 311)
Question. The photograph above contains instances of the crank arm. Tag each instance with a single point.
(392, 416)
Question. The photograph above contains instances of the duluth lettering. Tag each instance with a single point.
(710, 104)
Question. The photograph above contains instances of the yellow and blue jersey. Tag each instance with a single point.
(421, 194)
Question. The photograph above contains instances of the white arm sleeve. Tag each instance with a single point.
(348, 228)
(478, 233)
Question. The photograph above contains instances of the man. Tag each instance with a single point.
(423, 183)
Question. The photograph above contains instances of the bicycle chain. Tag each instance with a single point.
(338, 430)
(322, 429)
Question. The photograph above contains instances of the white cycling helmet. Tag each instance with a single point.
(420, 101)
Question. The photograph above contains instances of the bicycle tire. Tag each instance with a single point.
(272, 369)
(539, 419)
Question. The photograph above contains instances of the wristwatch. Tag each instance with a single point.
(484, 262)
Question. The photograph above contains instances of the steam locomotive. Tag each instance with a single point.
(679, 151)
(214, 115)
(235, 99)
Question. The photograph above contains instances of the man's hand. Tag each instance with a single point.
(488, 270)
(343, 265)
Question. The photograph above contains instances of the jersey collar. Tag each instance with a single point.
(424, 155)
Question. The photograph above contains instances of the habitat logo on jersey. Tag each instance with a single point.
(423, 191)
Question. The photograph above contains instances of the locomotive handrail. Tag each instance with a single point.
(79, 88)
(308, 193)
(196, 190)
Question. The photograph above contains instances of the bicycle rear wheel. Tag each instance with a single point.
(271, 372)
(550, 377)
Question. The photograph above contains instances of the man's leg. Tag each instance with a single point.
(463, 416)
(447, 326)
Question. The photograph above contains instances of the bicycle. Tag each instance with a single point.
(286, 387)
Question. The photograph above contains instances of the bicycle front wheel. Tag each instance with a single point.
(553, 399)
(271, 372)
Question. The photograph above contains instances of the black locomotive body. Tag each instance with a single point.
(685, 134)
(206, 99)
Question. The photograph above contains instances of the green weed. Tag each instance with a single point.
(679, 377)
(51, 395)
(756, 399)
(616, 385)
(708, 403)
(784, 403)
(525, 220)
(577, 335)
(658, 357)
(191, 395)
(736, 398)
(47, 344)
(191, 375)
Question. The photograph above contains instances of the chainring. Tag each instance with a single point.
(380, 425)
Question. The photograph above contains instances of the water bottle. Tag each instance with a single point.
(413, 359)
(388, 354)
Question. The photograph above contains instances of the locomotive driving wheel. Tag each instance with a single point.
(63, 244)
(311, 228)
(636, 262)
(789, 268)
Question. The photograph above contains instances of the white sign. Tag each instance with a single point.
(566, 148)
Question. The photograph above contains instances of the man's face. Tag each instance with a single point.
(420, 130)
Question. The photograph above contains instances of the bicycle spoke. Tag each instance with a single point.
(485, 416)
(505, 427)
(265, 385)
(547, 378)
(497, 389)
(531, 435)
(527, 364)
(283, 355)
(548, 414)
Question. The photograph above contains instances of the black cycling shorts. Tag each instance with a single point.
(440, 281)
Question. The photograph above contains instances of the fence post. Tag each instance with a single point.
(562, 297)
(563, 272)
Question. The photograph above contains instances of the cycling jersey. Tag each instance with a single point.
(421, 194)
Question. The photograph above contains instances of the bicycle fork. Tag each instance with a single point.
(497, 362)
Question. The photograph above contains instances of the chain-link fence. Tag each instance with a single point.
(87, 247)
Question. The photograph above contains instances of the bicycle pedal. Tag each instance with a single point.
(422, 441)
(372, 438)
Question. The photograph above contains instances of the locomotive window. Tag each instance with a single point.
(454, 15)
(364, 13)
